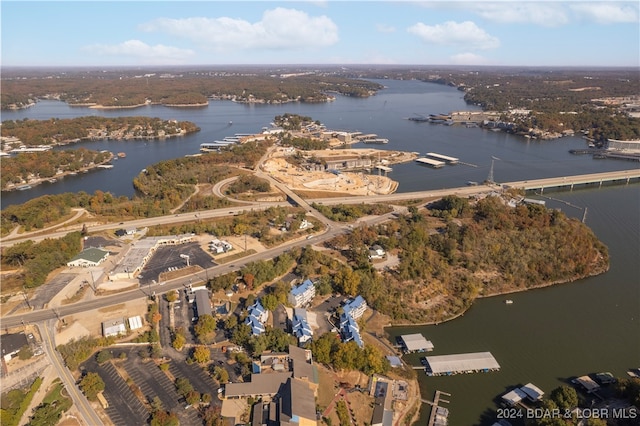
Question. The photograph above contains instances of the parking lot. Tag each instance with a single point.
(166, 258)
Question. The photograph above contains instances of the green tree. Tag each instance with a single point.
(91, 385)
(183, 386)
(172, 296)
(104, 356)
(565, 397)
(178, 341)
(205, 329)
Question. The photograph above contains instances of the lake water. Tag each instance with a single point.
(546, 336)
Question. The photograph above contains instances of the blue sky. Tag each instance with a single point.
(142, 33)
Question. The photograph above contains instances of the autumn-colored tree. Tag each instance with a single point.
(201, 354)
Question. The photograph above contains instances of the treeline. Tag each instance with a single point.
(348, 356)
(351, 212)
(305, 144)
(44, 165)
(62, 131)
(77, 351)
(475, 250)
(120, 88)
(37, 260)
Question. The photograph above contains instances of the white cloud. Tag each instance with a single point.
(608, 13)
(139, 49)
(468, 59)
(548, 14)
(451, 33)
(279, 28)
(384, 28)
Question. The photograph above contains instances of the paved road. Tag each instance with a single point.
(87, 413)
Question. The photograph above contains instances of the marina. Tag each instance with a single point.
(430, 162)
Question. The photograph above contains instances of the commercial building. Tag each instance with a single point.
(89, 257)
(11, 344)
(114, 327)
(203, 303)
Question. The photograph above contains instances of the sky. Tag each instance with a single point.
(156, 33)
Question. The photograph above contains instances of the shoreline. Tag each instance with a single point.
(501, 293)
(38, 181)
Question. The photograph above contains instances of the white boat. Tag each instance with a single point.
(508, 302)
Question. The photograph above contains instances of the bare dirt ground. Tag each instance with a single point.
(90, 323)
(351, 183)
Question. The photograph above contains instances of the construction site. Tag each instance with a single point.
(344, 171)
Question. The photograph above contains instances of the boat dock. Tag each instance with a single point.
(439, 415)
(445, 158)
(447, 365)
(376, 140)
(431, 162)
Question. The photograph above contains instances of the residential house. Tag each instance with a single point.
(300, 327)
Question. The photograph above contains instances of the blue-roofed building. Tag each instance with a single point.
(349, 330)
(258, 315)
(300, 326)
(303, 294)
(355, 307)
(257, 327)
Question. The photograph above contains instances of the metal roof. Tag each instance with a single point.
(461, 363)
(416, 342)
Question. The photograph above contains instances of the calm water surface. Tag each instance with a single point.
(547, 335)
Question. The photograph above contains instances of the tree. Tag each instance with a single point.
(183, 386)
(164, 418)
(201, 354)
(104, 356)
(91, 385)
(565, 397)
(347, 281)
(269, 302)
(172, 296)
(205, 329)
(178, 341)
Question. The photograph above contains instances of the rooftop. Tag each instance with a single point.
(416, 342)
(462, 363)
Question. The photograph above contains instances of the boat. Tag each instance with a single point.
(508, 302)
(122, 154)
(472, 183)
(376, 140)
(23, 187)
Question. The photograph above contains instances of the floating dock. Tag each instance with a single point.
(431, 162)
(447, 365)
(445, 158)
(376, 140)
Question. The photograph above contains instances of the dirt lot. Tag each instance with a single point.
(352, 183)
(90, 322)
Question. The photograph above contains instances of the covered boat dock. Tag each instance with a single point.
(447, 365)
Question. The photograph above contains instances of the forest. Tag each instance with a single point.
(43, 165)
(164, 186)
(126, 88)
(63, 131)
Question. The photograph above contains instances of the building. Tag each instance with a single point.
(514, 396)
(587, 383)
(89, 257)
(461, 363)
(300, 327)
(382, 411)
(376, 252)
(11, 344)
(258, 315)
(203, 303)
(349, 330)
(113, 327)
(355, 307)
(140, 252)
(416, 343)
(303, 294)
(135, 322)
(533, 392)
(220, 246)
(293, 405)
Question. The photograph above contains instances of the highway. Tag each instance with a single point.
(464, 191)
